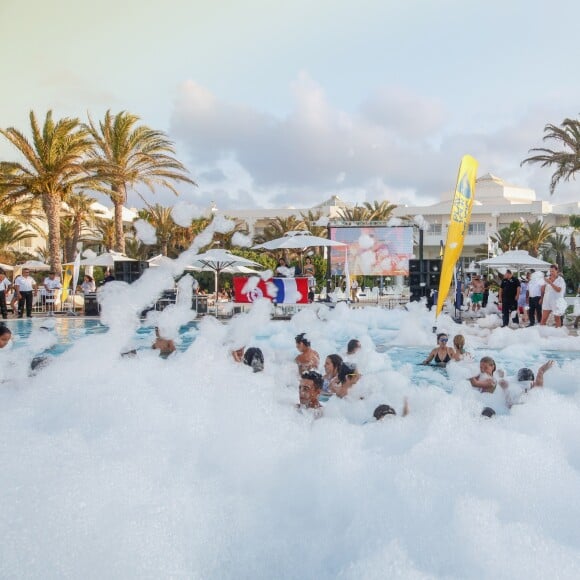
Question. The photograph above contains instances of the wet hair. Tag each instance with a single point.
(346, 368)
(525, 374)
(254, 358)
(313, 376)
(39, 362)
(442, 334)
(382, 411)
(302, 338)
(489, 360)
(336, 360)
(352, 346)
(488, 412)
(4, 330)
(459, 340)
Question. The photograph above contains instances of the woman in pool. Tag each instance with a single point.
(348, 376)
(485, 381)
(442, 354)
(330, 379)
(459, 348)
(5, 336)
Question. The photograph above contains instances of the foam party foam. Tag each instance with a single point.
(195, 467)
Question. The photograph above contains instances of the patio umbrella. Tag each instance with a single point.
(106, 259)
(298, 240)
(219, 261)
(6, 267)
(515, 259)
(34, 265)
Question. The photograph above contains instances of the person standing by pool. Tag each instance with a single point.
(476, 292)
(509, 293)
(4, 287)
(88, 286)
(553, 300)
(310, 271)
(52, 286)
(535, 288)
(24, 289)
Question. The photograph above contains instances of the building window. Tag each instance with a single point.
(476, 229)
(434, 230)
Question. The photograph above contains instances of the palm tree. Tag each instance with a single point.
(566, 161)
(558, 245)
(509, 237)
(136, 249)
(353, 214)
(105, 229)
(311, 219)
(535, 235)
(165, 228)
(126, 155)
(55, 164)
(278, 226)
(11, 232)
(81, 214)
(575, 227)
(379, 211)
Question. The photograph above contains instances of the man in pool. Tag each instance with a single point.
(309, 390)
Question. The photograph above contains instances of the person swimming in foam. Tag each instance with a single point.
(442, 354)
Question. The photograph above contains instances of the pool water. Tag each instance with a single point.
(70, 330)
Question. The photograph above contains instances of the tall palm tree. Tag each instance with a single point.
(535, 235)
(566, 161)
(128, 154)
(311, 219)
(105, 229)
(55, 164)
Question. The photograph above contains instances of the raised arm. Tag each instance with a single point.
(539, 382)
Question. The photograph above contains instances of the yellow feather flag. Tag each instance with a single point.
(68, 274)
(460, 216)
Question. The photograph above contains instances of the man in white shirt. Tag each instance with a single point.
(535, 287)
(52, 286)
(4, 287)
(24, 288)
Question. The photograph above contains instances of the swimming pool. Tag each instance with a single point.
(68, 330)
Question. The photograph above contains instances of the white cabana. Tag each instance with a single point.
(298, 240)
(106, 259)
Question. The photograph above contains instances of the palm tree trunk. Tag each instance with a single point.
(118, 200)
(75, 240)
(51, 205)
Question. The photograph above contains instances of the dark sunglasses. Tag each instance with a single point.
(443, 340)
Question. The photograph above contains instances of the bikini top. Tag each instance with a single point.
(438, 360)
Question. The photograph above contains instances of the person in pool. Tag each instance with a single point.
(459, 348)
(330, 378)
(383, 411)
(308, 359)
(165, 346)
(309, 390)
(353, 347)
(348, 376)
(485, 381)
(254, 357)
(442, 354)
(5, 336)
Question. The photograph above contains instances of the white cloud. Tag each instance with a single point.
(399, 146)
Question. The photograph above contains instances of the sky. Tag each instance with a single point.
(277, 104)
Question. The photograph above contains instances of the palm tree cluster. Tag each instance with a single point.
(66, 158)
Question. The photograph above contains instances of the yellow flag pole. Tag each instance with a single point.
(460, 216)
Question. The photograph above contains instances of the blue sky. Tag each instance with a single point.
(283, 104)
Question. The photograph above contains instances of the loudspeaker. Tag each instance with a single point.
(434, 266)
(414, 266)
(91, 305)
(129, 271)
(416, 294)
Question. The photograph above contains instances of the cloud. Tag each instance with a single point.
(397, 145)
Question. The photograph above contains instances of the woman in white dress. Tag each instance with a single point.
(553, 300)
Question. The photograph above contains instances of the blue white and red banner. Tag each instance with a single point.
(278, 290)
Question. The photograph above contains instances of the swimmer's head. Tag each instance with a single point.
(525, 374)
(488, 413)
(301, 339)
(382, 411)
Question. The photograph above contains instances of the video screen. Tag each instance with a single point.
(372, 250)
